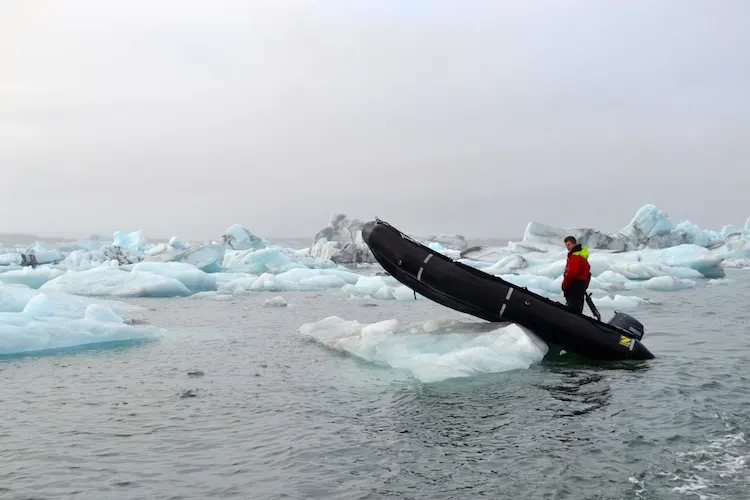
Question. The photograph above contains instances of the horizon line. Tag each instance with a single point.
(72, 239)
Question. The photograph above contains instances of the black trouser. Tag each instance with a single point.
(575, 295)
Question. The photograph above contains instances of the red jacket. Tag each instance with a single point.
(577, 266)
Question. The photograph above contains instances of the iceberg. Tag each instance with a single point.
(651, 242)
(434, 350)
(650, 254)
(277, 301)
(296, 279)
(135, 241)
(31, 277)
(211, 257)
(540, 237)
(106, 255)
(126, 248)
(31, 321)
(272, 259)
(179, 279)
(175, 242)
(205, 257)
(117, 282)
(32, 256)
(341, 241)
(668, 283)
(237, 237)
(189, 275)
(650, 227)
(122, 255)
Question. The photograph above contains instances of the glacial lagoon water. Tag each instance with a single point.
(232, 401)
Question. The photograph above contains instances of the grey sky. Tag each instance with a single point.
(463, 116)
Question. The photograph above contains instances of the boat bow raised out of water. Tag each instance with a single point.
(472, 291)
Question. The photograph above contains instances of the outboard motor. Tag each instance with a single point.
(628, 323)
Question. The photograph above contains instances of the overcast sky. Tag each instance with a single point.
(183, 117)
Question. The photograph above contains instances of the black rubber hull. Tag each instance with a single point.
(471, 291)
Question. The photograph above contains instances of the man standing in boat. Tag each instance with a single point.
(577, 274)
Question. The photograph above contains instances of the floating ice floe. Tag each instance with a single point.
(435, 350)
(650, 253)
(650, 238)
(32, 321)
(277, 301)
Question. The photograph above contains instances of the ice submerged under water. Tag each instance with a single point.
(434, 350)
(42, 306)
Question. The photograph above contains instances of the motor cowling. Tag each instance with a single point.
(632, 326)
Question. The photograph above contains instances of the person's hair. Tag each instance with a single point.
(571, 239)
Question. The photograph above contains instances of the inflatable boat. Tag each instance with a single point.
(472, 291)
